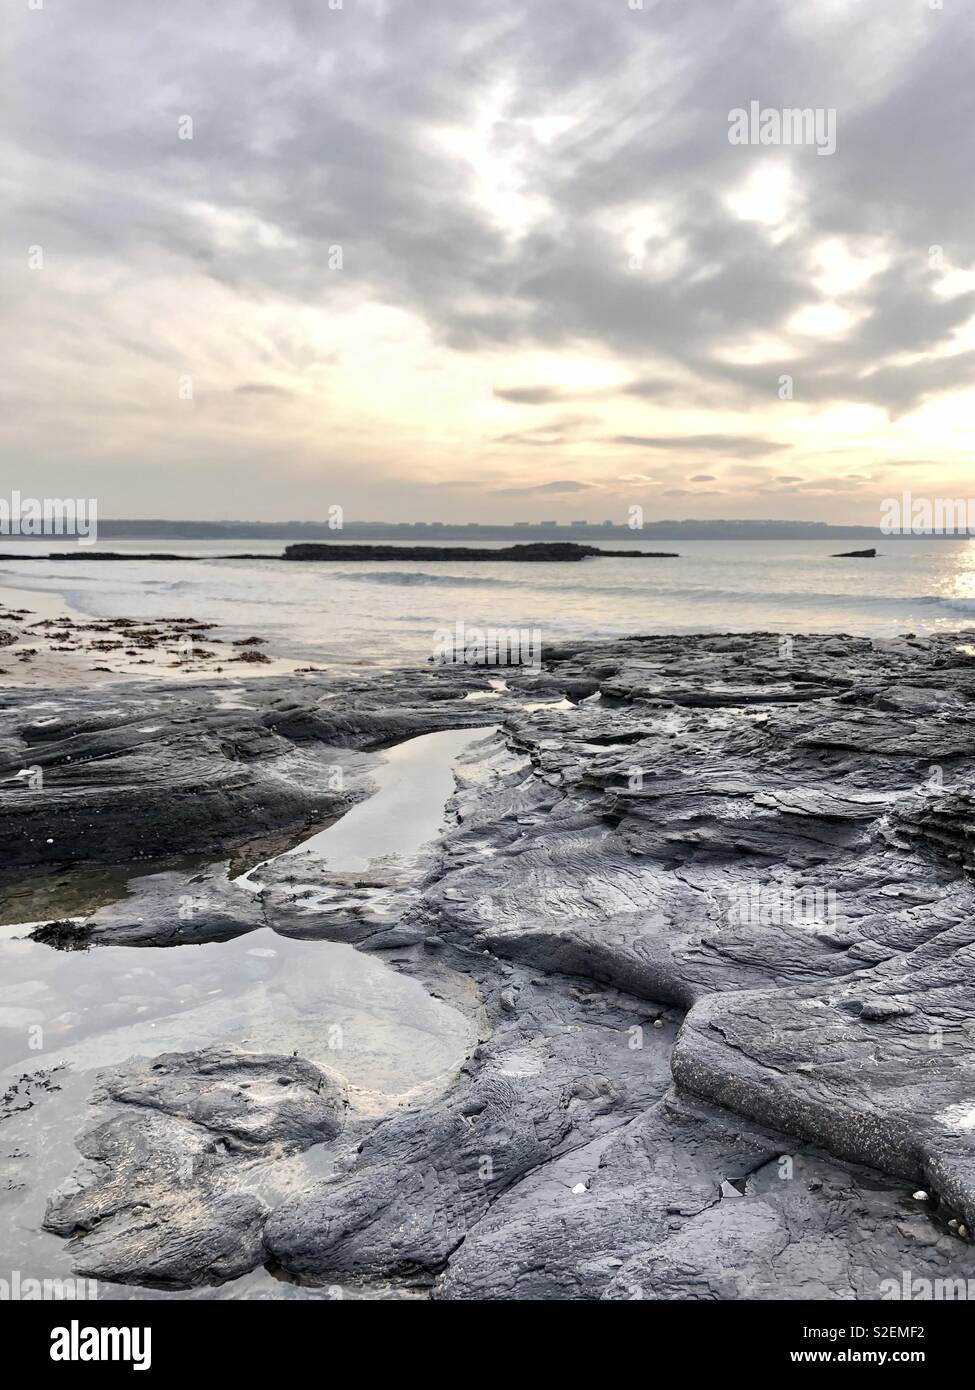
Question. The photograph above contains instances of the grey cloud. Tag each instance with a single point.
(529, 395)
(541, 488)
(735, 446)
(257, 388)
(315, 127)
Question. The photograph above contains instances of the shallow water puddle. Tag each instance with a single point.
(412, 786)
(342, 1009)
(69, 1014)
(347, 1012)
(497, 689)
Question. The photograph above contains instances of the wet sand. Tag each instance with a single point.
(57, 646)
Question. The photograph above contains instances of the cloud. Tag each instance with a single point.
(543, 488)
(529, 395)
(734, 446)
(257, 388)
(509, 201)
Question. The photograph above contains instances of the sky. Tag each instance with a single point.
(486, 260)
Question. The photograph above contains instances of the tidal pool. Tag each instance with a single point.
(65, 1015)
(406, 811)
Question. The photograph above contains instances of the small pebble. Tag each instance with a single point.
(920, 1195)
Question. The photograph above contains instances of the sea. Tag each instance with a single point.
(389, 613)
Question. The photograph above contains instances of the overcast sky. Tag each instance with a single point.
(486, 259)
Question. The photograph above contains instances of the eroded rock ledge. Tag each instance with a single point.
(775, 838)
(159, 1198)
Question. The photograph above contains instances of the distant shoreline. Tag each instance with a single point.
(475, 533)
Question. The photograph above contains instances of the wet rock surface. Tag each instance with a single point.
(716, 922)
(165, 909)
(158, 1199)
(534, 551)
(106, 776)
(687, 1202)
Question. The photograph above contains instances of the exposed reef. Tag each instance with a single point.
(534, 551)
(161, 1196)
(716, 923)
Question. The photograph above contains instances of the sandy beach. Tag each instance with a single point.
(48, 644)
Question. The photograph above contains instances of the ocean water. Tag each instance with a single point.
(387, 613)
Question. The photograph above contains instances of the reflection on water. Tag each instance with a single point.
(347, 1012)
(959, 580)
(66, 1015)
(71, 1014)
(412, 784)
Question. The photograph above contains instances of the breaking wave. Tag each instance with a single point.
(656, 590)
(401, 578)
